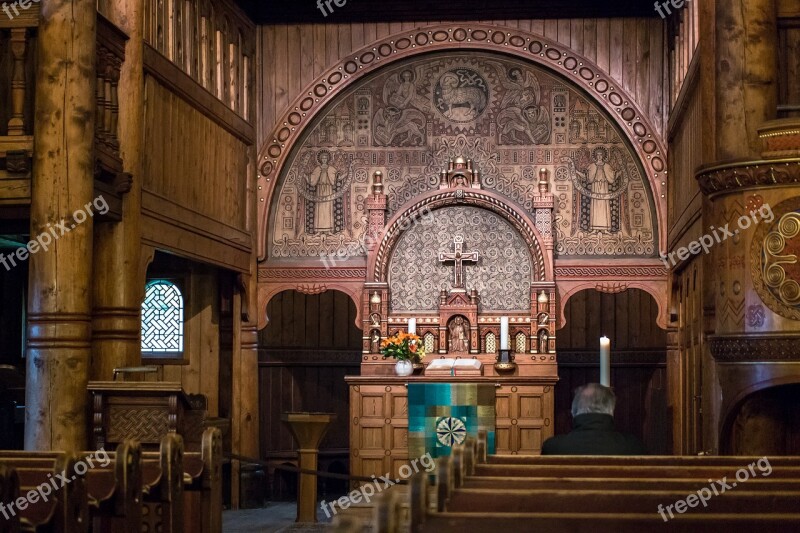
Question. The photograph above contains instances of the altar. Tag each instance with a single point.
(471, 273)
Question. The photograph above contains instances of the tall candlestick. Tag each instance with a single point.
(605, 361)
(504, 333)
(412, 325)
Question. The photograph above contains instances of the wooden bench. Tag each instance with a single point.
(114, 489)
(9, 492)
(63, 506)
(470, 501)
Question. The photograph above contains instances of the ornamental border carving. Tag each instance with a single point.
(754, 348)
(560, 59)
(282, 273)
(733, 177)
(379, 261)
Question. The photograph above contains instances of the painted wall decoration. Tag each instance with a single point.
(510, 117)
(416, 274)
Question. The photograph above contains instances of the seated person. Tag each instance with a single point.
(593, 427)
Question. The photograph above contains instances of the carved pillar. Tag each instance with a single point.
(59, 324)
(117, 290)
(747, 74)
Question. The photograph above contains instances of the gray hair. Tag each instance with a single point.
(593, 398)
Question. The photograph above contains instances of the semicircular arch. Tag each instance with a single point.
(555, 57)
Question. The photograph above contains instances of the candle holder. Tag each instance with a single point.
(505, 362)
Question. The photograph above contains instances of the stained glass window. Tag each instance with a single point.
(162, 319)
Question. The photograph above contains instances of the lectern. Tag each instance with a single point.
(308, 430)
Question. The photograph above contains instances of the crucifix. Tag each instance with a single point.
(458, 258)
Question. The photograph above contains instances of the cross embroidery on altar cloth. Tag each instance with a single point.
(458, 257)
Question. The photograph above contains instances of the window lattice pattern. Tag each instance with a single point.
(429, 342)
(491, 343)
(162, 318)
(520, 342)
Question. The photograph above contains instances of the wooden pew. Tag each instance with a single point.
(618, 483)
(203, 484)
(9, 492)
(628, 471)
(162, 485)
(114, 489)
(771, 507)
(65, 507)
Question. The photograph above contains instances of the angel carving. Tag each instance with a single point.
(400, 122)
(601, 185)
(522, 119)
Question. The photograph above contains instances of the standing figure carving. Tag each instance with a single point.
(323, 179)
(459, 342)
(602, 183)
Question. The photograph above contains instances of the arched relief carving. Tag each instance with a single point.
(655, 288)
(378, 263)
(600, 88)
(266, 291)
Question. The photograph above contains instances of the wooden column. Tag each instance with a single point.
(117, 290)
(59, 326)
(747, 75)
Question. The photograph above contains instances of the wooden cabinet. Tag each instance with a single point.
(379, 419)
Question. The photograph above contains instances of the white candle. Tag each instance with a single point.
(412, 325)
(605, 361)
(504, 333)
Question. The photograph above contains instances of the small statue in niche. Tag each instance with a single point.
(544, 337)
(459, 343)
(375, 341)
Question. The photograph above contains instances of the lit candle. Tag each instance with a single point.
(504, 333)
(605, 361)
(412, 325)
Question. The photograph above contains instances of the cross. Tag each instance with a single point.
(458, 258)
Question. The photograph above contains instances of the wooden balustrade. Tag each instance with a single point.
(17, 41)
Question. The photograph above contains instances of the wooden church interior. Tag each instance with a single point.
(213, 212)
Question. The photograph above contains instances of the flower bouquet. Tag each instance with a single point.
(406, 348)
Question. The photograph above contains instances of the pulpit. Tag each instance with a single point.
(473, 274)
(146, 411)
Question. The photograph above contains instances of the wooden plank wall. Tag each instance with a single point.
(632, 51)
(628, 318)
(178, 166)
(638, 362)
(310, 344)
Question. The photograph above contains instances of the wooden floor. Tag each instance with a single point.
(276, 517)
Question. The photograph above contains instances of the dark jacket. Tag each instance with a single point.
(593, 434)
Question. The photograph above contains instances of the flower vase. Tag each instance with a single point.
(403, 367)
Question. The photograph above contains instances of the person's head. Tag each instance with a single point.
(593, 398)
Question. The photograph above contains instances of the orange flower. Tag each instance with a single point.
(413, 348)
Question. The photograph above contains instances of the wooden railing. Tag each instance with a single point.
(17, 39)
